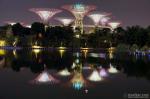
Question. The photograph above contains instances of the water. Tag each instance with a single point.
(75, 74)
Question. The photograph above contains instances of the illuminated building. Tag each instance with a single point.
(65, 21)
(79, 11)
(95, 76)
(45, 13)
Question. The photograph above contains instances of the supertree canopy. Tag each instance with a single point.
(104, 21)
(65, 21)
(114, 25)
(79, 11)
(96, 17)
(45, 13)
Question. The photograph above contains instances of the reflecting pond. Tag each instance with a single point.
(75, 74)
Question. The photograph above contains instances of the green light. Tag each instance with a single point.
(79, 7)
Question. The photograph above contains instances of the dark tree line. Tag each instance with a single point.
(64, 36)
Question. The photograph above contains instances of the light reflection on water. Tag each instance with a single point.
(81, 68)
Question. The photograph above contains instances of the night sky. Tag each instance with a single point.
(129, 12)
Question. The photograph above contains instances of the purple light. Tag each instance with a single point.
(103, 73)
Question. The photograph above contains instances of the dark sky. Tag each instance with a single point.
(129, 12)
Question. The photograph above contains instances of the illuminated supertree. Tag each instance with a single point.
(10, 22)
(95, 76)
(112, 69)
(96, 17)
(45, 77)
(65, 21)
(79, 11)
(104, 21)
(114, 25)
(45, 13)
(64, 72)
(13, 23)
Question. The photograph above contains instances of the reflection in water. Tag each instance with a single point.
(103, 72)
(61, 51)
(95, 76)
(45, 77)
(85, 52)
(74, 63)
(2, 62)
(111, 52)
(112, 69)
(78, 81)
(2, 52)
(36, 50)
(64, 72)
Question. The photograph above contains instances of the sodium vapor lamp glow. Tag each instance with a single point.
(95, 76)
(45, 13)
(65, 21)
(112, 69)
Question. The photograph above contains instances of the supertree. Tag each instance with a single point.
(13, 22)
(104, 21)
(114, 25)
(64, 20)
(44, 77)
(95, 76)
(96, 17)
(79, 11)
(45, 13)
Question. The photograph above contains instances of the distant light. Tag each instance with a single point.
(79, 7)
(96, 55)
(77, 81)
(61, 51)
(36, 49)
(86, 91)
(77, 85)
(96, 17)
(28, 26)
(77, 36)
(2, 43)
(2, 52)
(112, 69)
(44, 77)
(95, 76)
(77, 61)
(114, 25)
(65, 21)
(64, 72)
(104, 20)
(103, 73)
